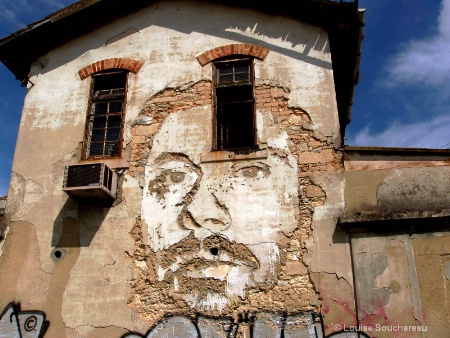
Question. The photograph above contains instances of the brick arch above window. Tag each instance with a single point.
(115, 63)
(256, 51)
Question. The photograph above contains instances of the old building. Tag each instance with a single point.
(2, 206)
(180, 172)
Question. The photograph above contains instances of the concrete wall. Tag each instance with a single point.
(397, 213)
(105, 271)
(401, 283)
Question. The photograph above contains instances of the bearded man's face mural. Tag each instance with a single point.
(213, 220)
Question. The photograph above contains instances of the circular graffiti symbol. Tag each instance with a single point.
(30, 323)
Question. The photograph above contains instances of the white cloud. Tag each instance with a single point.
(425, 61)
(428, 134)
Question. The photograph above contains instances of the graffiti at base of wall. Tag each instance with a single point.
(22, 324)
(32, 324)
(262, 324)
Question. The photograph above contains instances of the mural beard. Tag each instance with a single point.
(214, 274)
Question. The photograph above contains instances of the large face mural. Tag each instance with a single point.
(214, 219)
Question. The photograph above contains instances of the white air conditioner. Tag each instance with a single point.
(90, 181)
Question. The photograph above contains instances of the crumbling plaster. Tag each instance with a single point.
(400, 278)
(105, 259)
(397, 190)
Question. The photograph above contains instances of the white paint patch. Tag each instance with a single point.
(213, 302)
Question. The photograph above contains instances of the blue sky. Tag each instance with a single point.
(402, 99)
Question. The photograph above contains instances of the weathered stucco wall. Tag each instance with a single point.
(401, 283)
(383, 191)
(397, 207)
(98, 271)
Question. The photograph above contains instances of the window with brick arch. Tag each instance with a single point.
(104, 125)
(234, 118)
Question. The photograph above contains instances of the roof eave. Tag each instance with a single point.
(341, 19)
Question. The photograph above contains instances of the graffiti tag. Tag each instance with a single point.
(22, 324)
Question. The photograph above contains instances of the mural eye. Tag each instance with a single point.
(250, 172)
(177, 177)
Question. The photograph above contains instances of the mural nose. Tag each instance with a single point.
(214, 224)
(208, 212)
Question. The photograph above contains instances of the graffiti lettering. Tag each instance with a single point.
(22, 324)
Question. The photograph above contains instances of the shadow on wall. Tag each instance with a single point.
(229, 24)
(78, 222)
(340, 236)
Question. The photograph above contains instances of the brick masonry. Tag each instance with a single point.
(115, 63)
(233, 49)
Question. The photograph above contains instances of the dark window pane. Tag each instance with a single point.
(105, 120)
(241, 77)
(112, 149)
(98, 135)
(241, 69)
(233, 73)
(99, 122)
(115, 121)
(237, 125)
(115, 107)
(96, 149)
(110, 81)
(118, 92)
(234, 94)
(225, 68)
(226, 79)
(109, 93)
(113, 134)
(234, 119)
(100, 108)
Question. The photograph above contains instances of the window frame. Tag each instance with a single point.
(88, 133)
(218, 144)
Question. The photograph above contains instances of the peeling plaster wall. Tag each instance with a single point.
(104, 275)
(398, 212)
(401, 281)
(398, 190)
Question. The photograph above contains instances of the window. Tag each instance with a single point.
(105, 117)
(234, 124)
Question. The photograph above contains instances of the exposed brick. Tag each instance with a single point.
(219, 52)
(202, 59)
(90, 70)
(133, 65)
(140, 63)
(146, 130)
(139, 139)
(228, 49)
(113, 63)
(82, 73)
(232, 49)
(263, 53)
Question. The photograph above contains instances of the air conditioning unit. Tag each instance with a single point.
(90, 181)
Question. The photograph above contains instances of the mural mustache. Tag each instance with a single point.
(191, 255)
